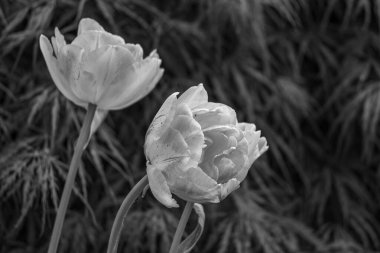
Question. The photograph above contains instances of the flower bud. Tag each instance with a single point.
(197, 150)
(100, 68)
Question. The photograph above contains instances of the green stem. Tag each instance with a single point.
(122, 213)
(181, 227)
(70, 179)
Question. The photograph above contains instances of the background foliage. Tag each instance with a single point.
(306, 72)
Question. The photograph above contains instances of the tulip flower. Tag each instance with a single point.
(99, 72)
(197, 150)
(100, 68)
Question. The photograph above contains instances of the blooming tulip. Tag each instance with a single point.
(100, 68)
(197, 150)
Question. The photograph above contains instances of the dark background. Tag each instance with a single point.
(305, 72)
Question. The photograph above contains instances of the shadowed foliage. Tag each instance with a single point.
(307, 73)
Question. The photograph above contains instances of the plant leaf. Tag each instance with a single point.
(188, 244)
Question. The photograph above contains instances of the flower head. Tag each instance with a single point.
(100, 68)
(197, 150)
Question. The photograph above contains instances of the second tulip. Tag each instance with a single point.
(197, 150)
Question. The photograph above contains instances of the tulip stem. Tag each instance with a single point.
(118, 224)
(70, 179)
(181, 227)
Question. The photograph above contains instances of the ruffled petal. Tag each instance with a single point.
(192, 184)
(60, 80)
(88, 40)
(217, 142)
(262, 147)
(122, 75)
(69, 61)
(243, 144)
(159, 187)
(156, 127)
(135, 50)
(93, 73)
(170, 147)
(194, 96)
(59, 39)
(92, 40)
(109, 39)
(253, 137)
(256, 146)
(226, 188)
(211, 114)
(228, 130)
(229, 165)
(88, 24)
(106, 67)
(190, 131)
(140, 80)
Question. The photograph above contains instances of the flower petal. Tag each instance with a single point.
(262, 146)
(156, 127)
(105, 67)
(211, 114)
(92, 40)
(229, 165)
(120, 76)
(253, 138)
(216, 143)
(159, 187)
(93, 73)
(194, 96)
(170, 147)
(190, 131)
(69, 61)
(256, 146)
(141, 80)
(192, 184)
(88, 24)
(58, 41)
(228, 130)
(59, 79)
(135, 50)
(226, 188)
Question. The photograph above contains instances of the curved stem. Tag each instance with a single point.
(181, 227)
(122, 213)
(70, 179)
